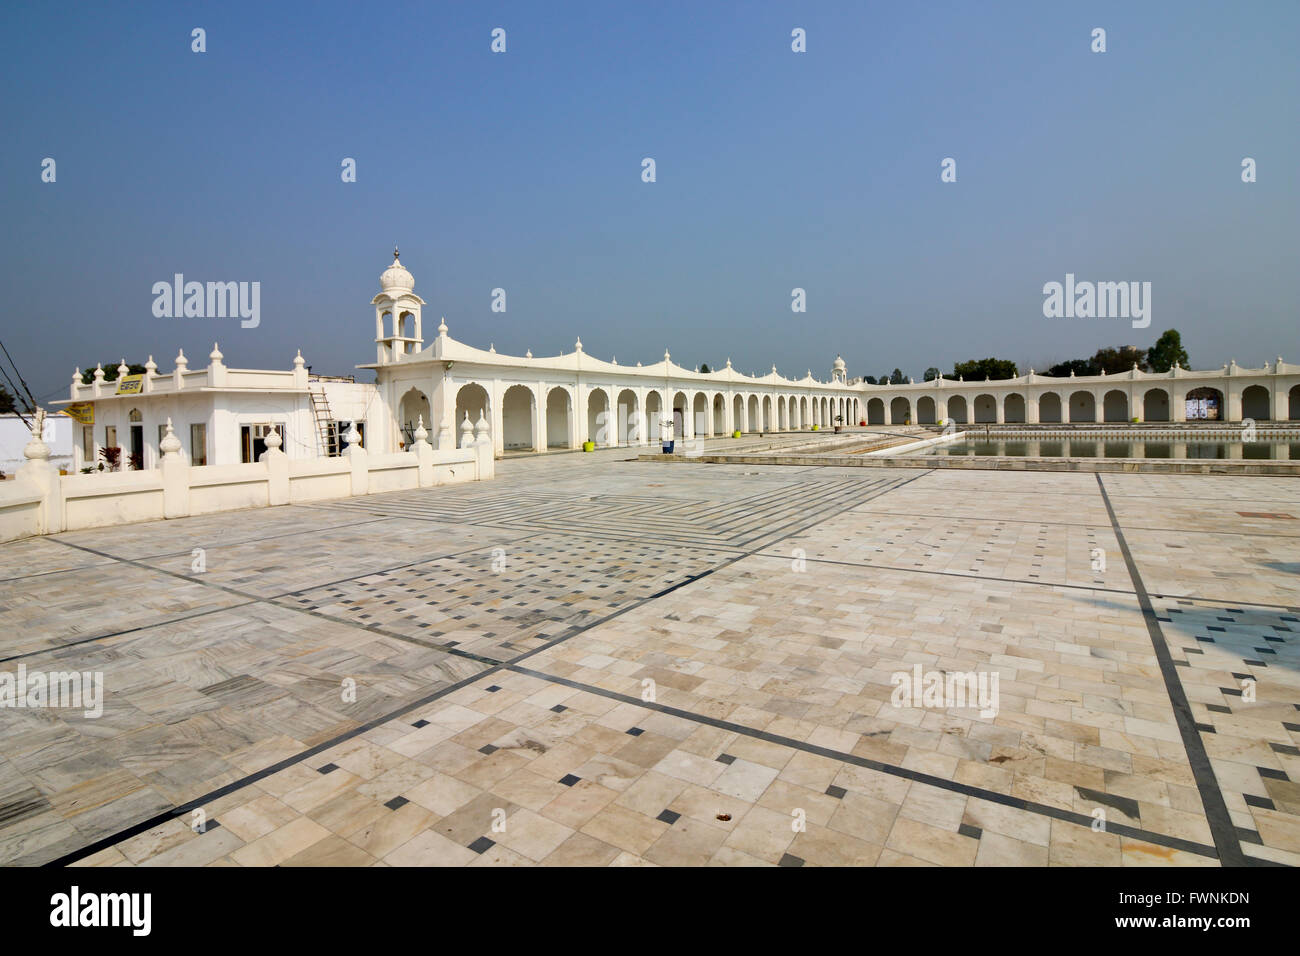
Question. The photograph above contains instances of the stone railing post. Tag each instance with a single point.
(216, 368)
(483, 448)
(175, 476)
(423, 454)
(277, 468)
(38, 474)
(357, 460)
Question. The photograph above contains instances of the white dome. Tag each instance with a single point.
(396, 279)
(839, 362)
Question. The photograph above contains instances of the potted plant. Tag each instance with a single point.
(839, 423)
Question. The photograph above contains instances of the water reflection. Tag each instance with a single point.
(1117, 448)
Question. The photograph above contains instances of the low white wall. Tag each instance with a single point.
(15, 434)
(20, 510)
(40, 501)
(319, 479)
(228, 487)
(94, 501)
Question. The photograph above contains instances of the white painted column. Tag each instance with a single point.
(539, 416)
(496, 397)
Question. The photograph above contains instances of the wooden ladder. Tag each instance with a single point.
(320, 407)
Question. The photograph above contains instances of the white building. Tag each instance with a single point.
(221, 415)
(536, 403)
(15, 433)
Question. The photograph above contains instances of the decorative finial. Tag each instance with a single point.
(170, 444)
(36, 449)
(215, 355)
(396, 255)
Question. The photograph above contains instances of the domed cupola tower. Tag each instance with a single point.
(397, 314)
(839, 373)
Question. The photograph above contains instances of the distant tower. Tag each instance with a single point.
(399, 303)
(838, 372)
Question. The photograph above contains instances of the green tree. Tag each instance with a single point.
(6, 401)
(898, 378)
(110, 372)
(704, 367)
(979, 369)
(1167, 350)
(1118, 359)
(869, 379)
(1077, 366)
(931, 374)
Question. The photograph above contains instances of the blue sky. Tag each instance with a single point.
(775, 170)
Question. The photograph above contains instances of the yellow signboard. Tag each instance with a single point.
(130, 385)
(81, 412)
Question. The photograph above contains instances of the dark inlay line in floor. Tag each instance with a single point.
(158, 819)
(1216, 809)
